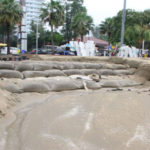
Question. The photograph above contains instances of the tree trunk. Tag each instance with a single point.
(52, 37)
(140, 44)
(82, 37)
(109, 36)
(8, 39)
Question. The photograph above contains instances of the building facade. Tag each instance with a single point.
(33, 11)
(22, 32)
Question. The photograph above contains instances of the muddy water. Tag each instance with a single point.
(81, 120)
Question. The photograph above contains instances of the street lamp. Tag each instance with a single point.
(37, 38)
(123, 23)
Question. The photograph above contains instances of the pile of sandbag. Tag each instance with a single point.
(34, 69)
(50, 84)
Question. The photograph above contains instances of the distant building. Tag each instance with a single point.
(21, 32)
(33, 11)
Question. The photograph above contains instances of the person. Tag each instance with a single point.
(23, 51)
(149, 53)
(146, 55)
(110, 49)
(68, 46)
(66, 52)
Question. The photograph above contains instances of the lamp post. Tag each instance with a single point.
(123, 23)
(37, 37)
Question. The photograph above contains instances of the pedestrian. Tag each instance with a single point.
(67, 50)
(149, 53)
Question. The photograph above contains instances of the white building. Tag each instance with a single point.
(33, 11)
(22, 34)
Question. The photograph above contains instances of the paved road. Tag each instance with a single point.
(81, 120)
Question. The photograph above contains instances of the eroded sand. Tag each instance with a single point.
(80, 120)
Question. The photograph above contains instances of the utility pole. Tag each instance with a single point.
(123, 22)
(37, 37)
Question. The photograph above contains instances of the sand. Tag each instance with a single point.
(85, 120)
(105, 119)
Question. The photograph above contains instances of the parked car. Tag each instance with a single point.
(13, 50)
(40, 51)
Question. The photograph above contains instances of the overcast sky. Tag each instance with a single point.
(101, 9)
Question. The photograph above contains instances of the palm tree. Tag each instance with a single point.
(106, 28)
(82, 24)
(53, 13)
(137, 33)
(10, 14)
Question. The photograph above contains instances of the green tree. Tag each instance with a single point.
(82, 24)
(53, 13)
(97, 34)
(44, 38)
(73, 7)
(135, 35)
(10, 14)
(136, 27)
(106, 28)
(2, 33)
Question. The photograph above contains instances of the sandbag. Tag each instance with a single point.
(93, 85)
(78, 66)
(115, 66)
(42, 67)
(73, 72)
(33, 74)
(64, 84)
(133, 63)
(117, 60)
(66, 66)
(56, 65)
(38, 87)
(24, 67)
(106, 72)
(123, 72)
(93, 66)
(10, 74)
(6, 66)
(119, 83)
(54, 73)
(90, 71)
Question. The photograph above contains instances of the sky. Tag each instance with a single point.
(102, 9)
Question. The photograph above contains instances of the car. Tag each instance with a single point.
(34, 51)
(40, 51)
(13, 50)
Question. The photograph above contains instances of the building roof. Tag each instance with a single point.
(98, 42)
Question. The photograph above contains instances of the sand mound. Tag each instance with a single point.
(6, 101)
(144, 71)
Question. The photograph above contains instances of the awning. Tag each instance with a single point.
(3, 44)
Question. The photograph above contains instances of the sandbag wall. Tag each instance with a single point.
(26, 74)
(51, 69)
